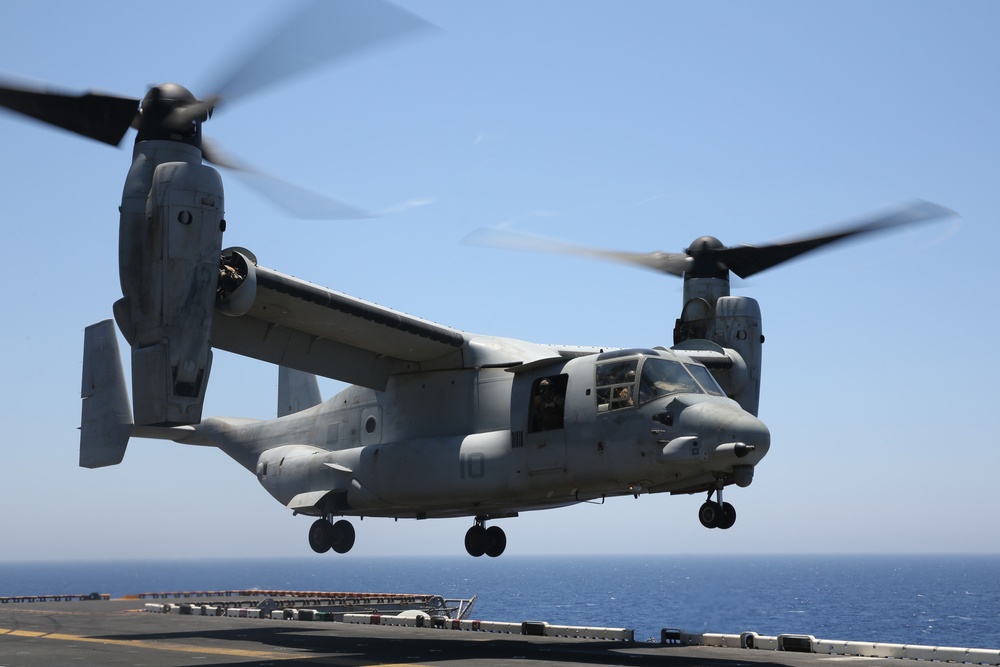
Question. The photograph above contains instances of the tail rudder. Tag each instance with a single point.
(106, 420)
(297, 391)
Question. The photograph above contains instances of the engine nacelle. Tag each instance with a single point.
(737, 326)
(169, 246)
(732, 322)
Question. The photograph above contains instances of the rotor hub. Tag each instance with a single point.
(158, 111)
(705, 262)
(168, 93)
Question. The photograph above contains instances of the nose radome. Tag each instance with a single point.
(752, 431)
(729, 429)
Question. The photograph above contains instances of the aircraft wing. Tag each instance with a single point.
(303, 326)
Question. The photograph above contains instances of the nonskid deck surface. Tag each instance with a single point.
(121, 632)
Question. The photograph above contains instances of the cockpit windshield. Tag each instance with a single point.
(662, 377)
(705, 379)
(617, 387)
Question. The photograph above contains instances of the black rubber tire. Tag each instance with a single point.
(321, 536)
(496, 541)
(728, 517)
(475, 541)
(710, 514)
(342, 538)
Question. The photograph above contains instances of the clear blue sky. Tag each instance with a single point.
(631, 125)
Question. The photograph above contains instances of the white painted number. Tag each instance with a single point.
(472, 466)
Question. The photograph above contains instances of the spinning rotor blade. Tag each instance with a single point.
(299, 202)
(747, 260)
(668, 262)
(105, 118)
(320, 32)
(707, 257)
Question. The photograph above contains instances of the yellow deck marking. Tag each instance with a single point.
(136, 643)
(160, 646)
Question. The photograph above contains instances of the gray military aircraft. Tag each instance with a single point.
(437, 422)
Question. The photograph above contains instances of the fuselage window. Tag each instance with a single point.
(616, 385)
(662, 377)
(548, 403)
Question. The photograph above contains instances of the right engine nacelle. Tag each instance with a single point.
(733, 323)
(737, 325)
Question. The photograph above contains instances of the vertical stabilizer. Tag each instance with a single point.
(297, 391)
(106, 422)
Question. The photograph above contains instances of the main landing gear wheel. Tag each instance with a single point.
(496, 541)
(713, 515)
(490, 541)
(324, 536)
(321, 536)
(343, 536)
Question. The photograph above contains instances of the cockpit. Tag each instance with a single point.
(626, 378)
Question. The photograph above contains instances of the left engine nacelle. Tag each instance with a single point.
(170, 243)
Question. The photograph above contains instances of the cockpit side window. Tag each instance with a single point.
(548, 403)
(705, 379)
(616, 385)
(662, 377)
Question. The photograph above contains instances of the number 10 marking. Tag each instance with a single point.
(472, 466)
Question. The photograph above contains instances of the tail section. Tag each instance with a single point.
(297, 391)
(106, 422)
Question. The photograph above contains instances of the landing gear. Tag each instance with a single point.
(480, 540)
(324, 536)
(714, 515)
(717, 514)
(343, 536)
(321, 536)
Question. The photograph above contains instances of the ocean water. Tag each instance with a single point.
(934, 600)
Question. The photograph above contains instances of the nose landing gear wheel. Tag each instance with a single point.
(728, 516)
(713, 515)
(709, 513)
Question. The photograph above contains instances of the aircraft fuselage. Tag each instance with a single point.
(474, 442)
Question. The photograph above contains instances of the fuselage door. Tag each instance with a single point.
(540, 409)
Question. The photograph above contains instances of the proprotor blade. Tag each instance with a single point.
(706, 257)
(296, 201)
(667, 262)
(105, 118)
(320, 32)
(745, 261)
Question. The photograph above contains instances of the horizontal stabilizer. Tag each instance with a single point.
(106, 422)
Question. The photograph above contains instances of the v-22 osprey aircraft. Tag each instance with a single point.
(437, 422)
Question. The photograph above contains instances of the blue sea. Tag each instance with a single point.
(933, 600)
